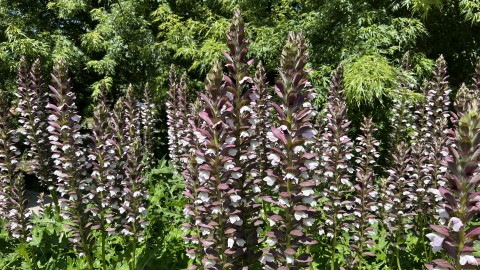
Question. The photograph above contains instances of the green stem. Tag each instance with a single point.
(104, 236)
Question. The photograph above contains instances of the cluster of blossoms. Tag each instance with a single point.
(95, 179)
(291, 220)
(461, 198)
(336, 162)
(13, 203)
(261, 183)
(365, 205)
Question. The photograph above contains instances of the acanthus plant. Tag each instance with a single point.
(176, 118)
(400, 198)
(428, 149)
(133, 195)
(221, 219)
(336, 154)
(293, 200)
(365, 195)
(103, 166)
(13, 201)
(461, 199)
(147, 113)
(32, 100)
(241, 122)
(70, 162)
(194, 180)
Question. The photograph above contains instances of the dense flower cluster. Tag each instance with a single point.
(70, 158)
(32, 100)
(365, 195)
(461, 198)
(12, 193)
(336, 161)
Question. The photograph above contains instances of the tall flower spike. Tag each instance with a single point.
(32, 100)
(102, 172)
(147, 112)
(11, 194)
(133, 199)
(19, 215)
(71, 164)
(182, 122)
(118, 153)
(399, 198)
(365, 194)
(195, 179)
(220, 221)
(456, 239)
(336, 165)
(293, 199)
(176, 117)
(241, 128)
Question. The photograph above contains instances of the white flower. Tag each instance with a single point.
(201, 138)
(271, 137)
(298, 149)
(230, 242)
(311, 164)
(267, 258)
(270, 180)
(235, 198)
(203, 175)
(228, 166)
(230, 140)
(245, 109)
(300, 214)
(308, 221)
(306, 191)
(209, 263)
(216, 210)
(191, 255)
(240, 242)
(204, 231)
(271, 241)
(290, 259)
(468, 258)
(203, 196)
(456, 224)
(232, 152)
(200, 159)
(236, 220)
(236, 175)
(283, 201)
(274, 158)
(436, 241)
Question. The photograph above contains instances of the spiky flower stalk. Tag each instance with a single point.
(456, 239)
(100, 155)
(176, 111)
(365, 194)
(242, 127)
(263, 123)
(70, 161)
(12, 194)
(336, 155)
(221, 221)
(147, 112)
(133, 200)
(133, 193)
(194, 180)
(438, 114)
(399, 198)
(32, 100)
(291, 219)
